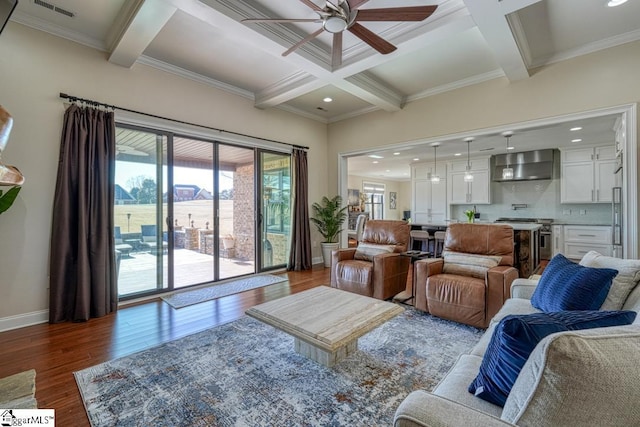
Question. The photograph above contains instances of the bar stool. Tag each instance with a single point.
(420, 236)
(439, 243)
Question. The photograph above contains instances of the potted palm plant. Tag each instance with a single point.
(328, 217)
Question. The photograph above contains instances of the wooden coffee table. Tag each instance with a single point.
(325, 322)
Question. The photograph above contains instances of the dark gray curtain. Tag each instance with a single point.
(82, 264)
(300, 253)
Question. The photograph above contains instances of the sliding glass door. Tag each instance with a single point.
(275, 224)
(186, 211)
(139, 212)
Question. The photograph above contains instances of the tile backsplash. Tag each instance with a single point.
(542, 200)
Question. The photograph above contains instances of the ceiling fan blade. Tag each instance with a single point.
(276, 20)
(372, 39)
(311, 4)
(336, 50)
(356, 3)
(303, 41)
(414, 13)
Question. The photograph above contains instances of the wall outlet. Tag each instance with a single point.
(583, 211)
(566, 212)
(315, 243)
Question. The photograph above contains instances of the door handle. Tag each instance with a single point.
(169, 223)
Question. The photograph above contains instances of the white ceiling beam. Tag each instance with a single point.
(493, 25)
(293, 86)
(348, 77)
(510, 6)
(365, 87)
(136, 26)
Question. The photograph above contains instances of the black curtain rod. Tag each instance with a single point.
(115, 107)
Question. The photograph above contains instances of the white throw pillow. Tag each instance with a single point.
(468, 264)
(579, 378)
(622, 285)
(366, 251)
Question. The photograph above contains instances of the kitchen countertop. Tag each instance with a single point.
(522, 226)
(516, 225)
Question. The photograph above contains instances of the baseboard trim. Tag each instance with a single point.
(22, 320)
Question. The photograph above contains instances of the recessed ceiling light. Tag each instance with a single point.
(458, 154)
(510, 148)
(327, 99)
(576, 140)
(614, 3)
(388, 170)
(396, 153)
(575, 128)
(375, 156)
(375, 162)
(416, 159)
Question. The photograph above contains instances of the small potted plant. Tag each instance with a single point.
(328, 217)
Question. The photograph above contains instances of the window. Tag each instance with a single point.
(374, 203)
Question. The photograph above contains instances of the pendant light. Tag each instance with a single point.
(435, 178)
(507, 172)
(468, 176)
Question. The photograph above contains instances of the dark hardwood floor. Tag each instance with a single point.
(56, 351)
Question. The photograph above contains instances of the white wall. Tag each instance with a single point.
(34, 68)
(598, 80)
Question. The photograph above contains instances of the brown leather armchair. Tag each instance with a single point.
(385, 273)
(456, 287)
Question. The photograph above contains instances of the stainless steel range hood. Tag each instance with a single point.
(527, 165)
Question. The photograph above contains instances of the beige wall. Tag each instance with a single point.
(402, 189)
(35, 67)
(602, 79)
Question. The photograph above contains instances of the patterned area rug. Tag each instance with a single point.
(246, 373)
(183, 299)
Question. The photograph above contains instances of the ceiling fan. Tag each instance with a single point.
(340, 15)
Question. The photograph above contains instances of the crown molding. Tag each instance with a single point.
(479, 78)
(629, 37)
(181, 72)
(58, 31)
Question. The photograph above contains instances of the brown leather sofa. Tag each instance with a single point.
(385, 275)
(464, 298)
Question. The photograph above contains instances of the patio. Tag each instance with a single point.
(138, 272)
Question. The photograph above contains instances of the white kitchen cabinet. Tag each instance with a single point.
(477, 191)
(429, 200)
(587, 174)
(558, 240)
(580, 239)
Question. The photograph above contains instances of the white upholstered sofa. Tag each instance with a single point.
(577, 378)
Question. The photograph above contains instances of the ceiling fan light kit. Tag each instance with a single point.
(338, 16)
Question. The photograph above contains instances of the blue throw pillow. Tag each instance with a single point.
(565, 285)
(516, 336)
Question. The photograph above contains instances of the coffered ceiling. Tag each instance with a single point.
(462, 43)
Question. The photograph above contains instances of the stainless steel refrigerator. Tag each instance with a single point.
(616, 223)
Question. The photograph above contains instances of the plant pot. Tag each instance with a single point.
(228, 243)
(327, 248)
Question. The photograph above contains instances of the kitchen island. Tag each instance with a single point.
(526, 240)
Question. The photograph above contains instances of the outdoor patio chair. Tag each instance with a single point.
(123, 248)
(150, 240)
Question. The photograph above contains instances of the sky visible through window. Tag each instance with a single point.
(186, 176)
